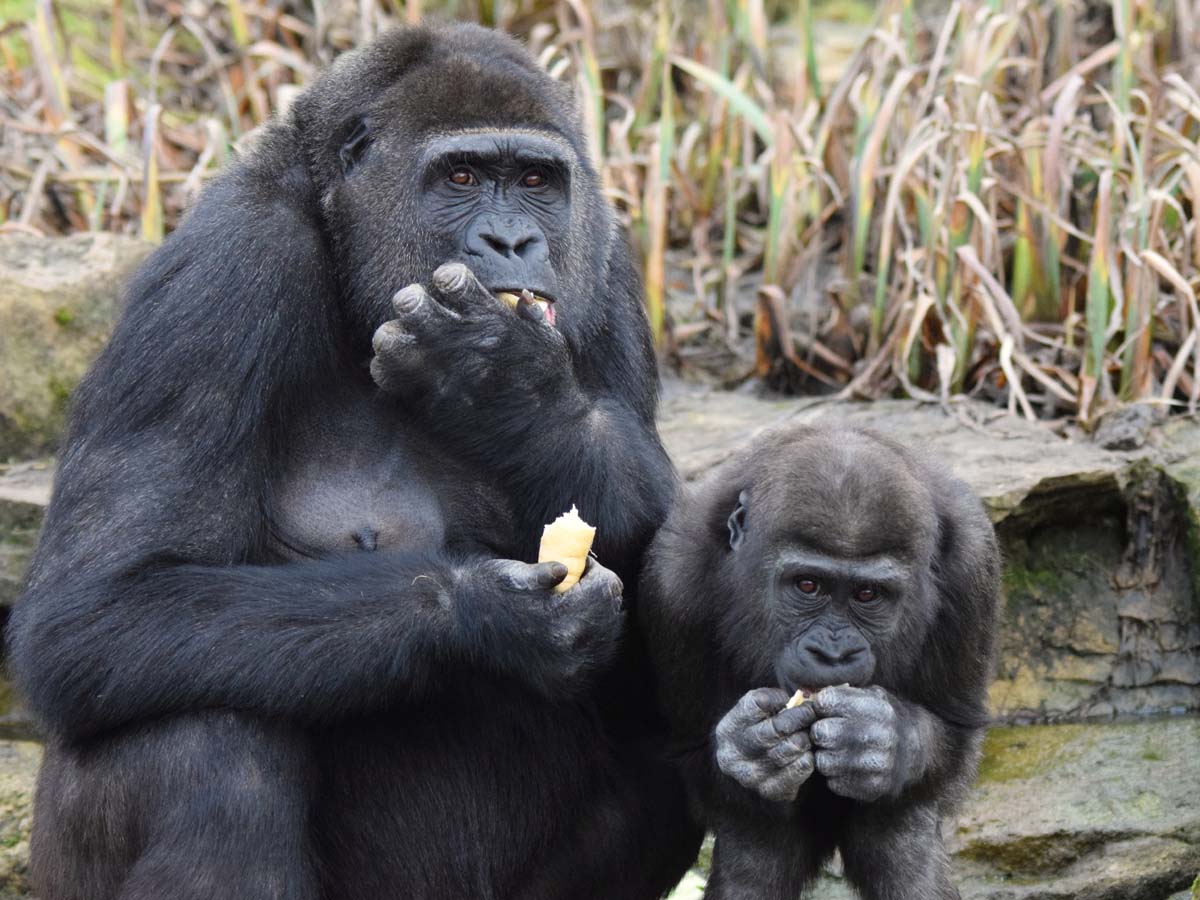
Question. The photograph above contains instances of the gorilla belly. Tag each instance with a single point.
(407, 809)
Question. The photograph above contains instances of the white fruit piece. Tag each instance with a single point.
(567, 540)
(797, 698)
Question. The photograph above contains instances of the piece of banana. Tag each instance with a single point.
(511, 300)
(801, 696)
(567, 540)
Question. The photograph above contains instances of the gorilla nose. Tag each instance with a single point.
(829, 650)
(508, 238)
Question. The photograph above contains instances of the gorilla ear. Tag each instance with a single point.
(737, 523)
(354, 145)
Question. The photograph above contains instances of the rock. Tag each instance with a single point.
(58, 301)
(1076, 812)
(24, 494)
(18, 772)
(1097, 811)
(1101, 612)
(1127, 427)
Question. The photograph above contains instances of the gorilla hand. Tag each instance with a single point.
(554, 643)
(860, 738)
(764, 747)
(461, 346)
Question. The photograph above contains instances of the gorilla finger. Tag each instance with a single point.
(851, 702)
(781, 788)
(785, 784)
(736, 765)
(599, 577)
(391, 337)
(419, 313)
(785, 753)
(865, 790)
(766, 702)
(401, 373)
(530, 311)
(831, 763)
(828, 732)
(538, 577)
(763, 735)
(461, 290)
(795, 719)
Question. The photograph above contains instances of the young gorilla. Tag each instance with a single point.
(277, 628)
(833, 561)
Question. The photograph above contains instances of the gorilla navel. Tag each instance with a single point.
(366, 538)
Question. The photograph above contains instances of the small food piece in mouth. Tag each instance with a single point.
(511, 300)
(567, 540)
(801, 696)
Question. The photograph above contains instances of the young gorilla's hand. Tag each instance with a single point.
(857, 738)
(765, 747)
(458, 345)
(555, 643)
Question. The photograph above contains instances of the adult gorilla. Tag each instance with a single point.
(274, 627)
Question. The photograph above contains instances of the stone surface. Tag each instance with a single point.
(18, 772)
(1074, 812)
(24, 493)
(58, 302)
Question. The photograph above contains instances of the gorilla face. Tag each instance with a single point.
(430, 168)
(841, 561)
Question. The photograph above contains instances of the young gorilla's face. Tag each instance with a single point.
(837, 543)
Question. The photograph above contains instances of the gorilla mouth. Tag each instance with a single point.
(513, 297)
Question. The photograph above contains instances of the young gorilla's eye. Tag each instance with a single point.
(533, 178)
(806, 585)
(463, 177)
(865, 595)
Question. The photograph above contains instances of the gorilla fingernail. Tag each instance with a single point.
(409, 299)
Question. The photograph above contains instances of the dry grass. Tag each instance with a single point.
(994, 198)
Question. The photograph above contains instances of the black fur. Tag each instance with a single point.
(820, 556)
(269, 628)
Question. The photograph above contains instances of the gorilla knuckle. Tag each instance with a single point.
(827, 732)
(409, 300)
(454, 277)
(389, 337)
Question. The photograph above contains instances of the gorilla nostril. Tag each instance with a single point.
(498, 244)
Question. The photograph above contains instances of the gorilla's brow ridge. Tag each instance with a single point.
(484, 142)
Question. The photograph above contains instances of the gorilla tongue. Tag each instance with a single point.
(511, 300)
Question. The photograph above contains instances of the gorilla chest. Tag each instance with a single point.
(338, 505)
(364, 481)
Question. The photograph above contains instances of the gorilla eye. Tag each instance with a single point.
(463, 177)
(865, 595)
(807, 585)
(533, 178)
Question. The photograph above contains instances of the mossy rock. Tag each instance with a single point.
(59, 299)
(18, 770)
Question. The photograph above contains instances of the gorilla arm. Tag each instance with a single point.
(140, 601)
(558, 424)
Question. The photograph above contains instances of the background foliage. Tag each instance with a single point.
(987, 197)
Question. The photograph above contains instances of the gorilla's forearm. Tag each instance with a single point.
(308, 641)
(932, 756)
(600, 457)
